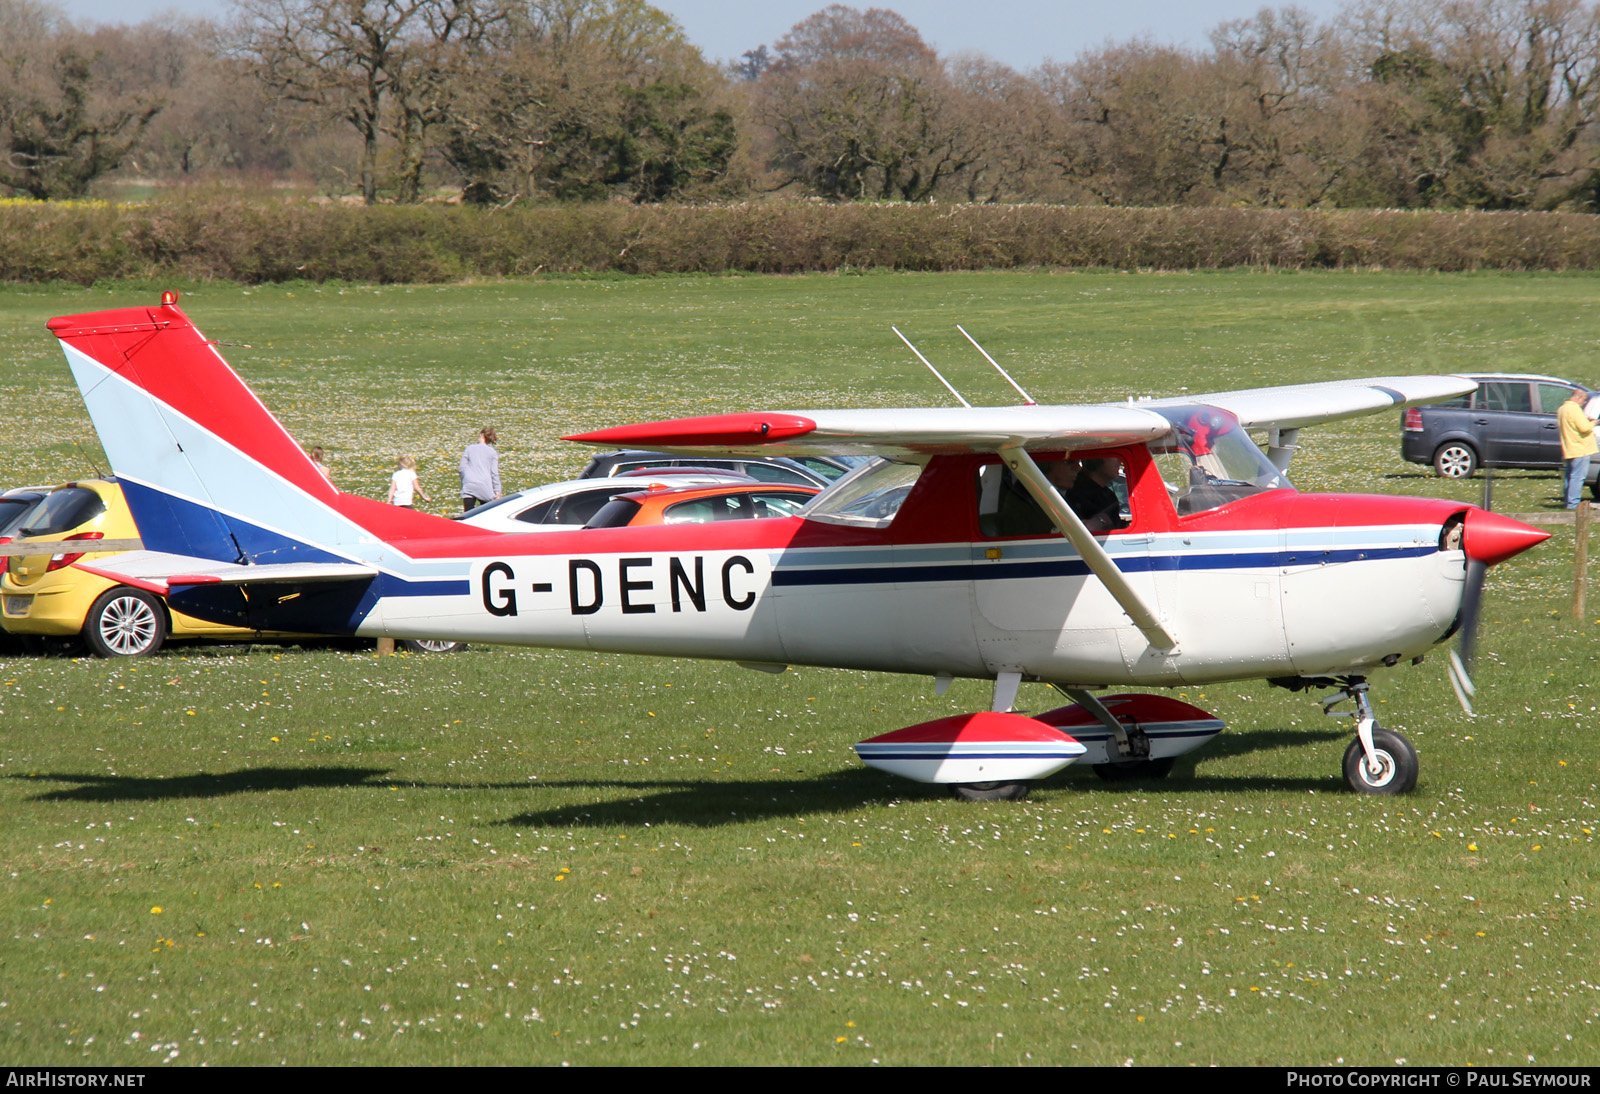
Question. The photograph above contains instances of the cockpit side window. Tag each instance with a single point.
(1096, 489)
(868, 497)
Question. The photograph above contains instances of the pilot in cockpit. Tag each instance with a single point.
(1092, 497)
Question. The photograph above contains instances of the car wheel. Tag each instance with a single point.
(430, 645)
(126, 623)
(1455, 460)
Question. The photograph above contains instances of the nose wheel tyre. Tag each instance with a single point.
(126, 623)
(1455, 461)
(1395, 771)
(989, 792)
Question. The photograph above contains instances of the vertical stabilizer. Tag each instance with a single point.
(207, 470)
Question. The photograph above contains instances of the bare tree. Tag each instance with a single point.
(60, 126)
(1486, 103)
(584, 99)
(377, 64)
(857, 105)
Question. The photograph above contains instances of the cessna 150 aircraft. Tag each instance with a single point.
(1168, 550)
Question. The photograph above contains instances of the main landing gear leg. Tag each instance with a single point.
(1378, 761)
(1129, 742)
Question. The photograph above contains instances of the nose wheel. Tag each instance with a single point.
(1378, 761)
(1391, 768)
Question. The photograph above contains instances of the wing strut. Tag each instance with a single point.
(1099, 562)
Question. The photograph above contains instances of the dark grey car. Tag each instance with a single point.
(1510, 421)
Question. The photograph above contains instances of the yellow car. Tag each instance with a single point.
(45, 594)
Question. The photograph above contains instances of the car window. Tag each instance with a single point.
(62, 511)
(535, 514)
(616, 513)
(1551, 396)
(827, 470)
(580, 509)
(703, 510)
(12, 513)
(772, 503)
(1459, 402)
(772, 472)
(1506, 396)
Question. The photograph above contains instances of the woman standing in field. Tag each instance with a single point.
(404, 482)
(480, 471)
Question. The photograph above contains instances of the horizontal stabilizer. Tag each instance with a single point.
(159, 572)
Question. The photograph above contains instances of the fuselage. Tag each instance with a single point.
(1274, 584)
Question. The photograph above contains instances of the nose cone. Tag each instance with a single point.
(1491, 538)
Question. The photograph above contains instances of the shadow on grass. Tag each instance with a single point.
(116, 788)
(706, 804)
(701, 803)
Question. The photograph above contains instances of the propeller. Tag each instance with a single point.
(1461, 658)
(1487, 538)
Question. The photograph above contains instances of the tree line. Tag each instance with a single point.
(1409, 104)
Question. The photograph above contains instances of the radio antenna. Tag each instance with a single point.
(931, 369)
(1027, 399)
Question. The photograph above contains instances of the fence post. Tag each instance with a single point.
(1580, 561)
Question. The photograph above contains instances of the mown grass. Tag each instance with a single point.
(511, 856)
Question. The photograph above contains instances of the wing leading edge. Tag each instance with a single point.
(908, 432)
(948, 430)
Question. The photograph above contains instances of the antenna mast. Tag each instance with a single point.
(1028, 399)
(931, 369)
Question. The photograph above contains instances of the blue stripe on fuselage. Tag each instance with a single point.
(1076, 567)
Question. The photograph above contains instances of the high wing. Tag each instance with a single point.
(1299, 405)
(934, 431)
(159, 571)
(906, 432)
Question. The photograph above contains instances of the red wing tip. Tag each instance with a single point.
(717, 429)
(194, 579)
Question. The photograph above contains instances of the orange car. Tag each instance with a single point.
(703, 504)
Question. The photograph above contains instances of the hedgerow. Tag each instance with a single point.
(260, 241)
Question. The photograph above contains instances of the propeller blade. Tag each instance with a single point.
(1461, 662)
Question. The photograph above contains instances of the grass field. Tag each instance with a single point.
(234, 856)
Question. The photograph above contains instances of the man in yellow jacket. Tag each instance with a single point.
(1577, 444)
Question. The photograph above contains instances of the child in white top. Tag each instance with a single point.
(404, 481)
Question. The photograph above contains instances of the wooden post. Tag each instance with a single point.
(1580, 561)
(385, 647)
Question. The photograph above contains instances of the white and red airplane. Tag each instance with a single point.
(1167, 551)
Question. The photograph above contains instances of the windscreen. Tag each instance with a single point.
(1209, 460)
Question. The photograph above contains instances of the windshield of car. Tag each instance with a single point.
(1209, 460)
(62, 511)
(868, 497)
